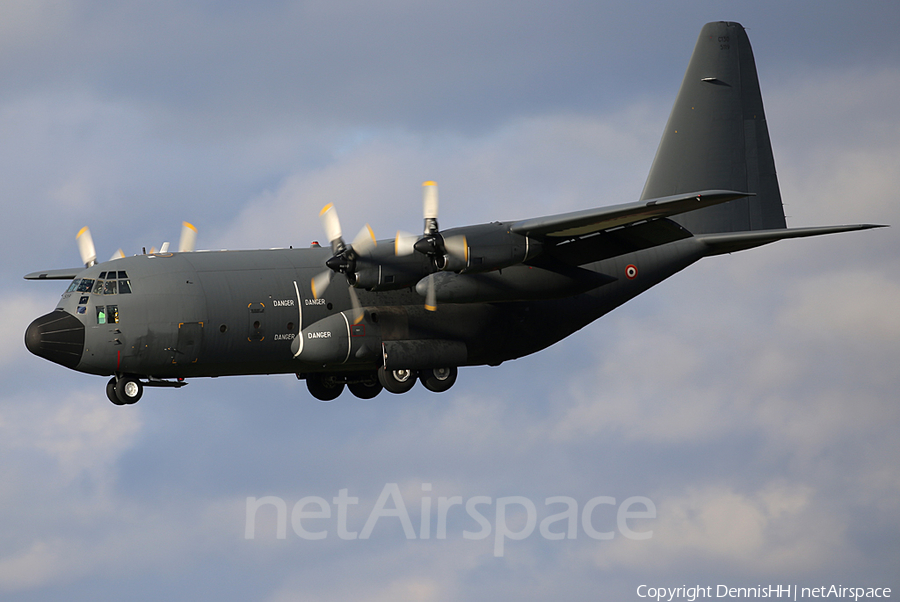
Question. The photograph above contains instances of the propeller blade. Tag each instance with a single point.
(431, 295)
(188, 241)
(357, 312)
(86, 247)
(430, 206)
(404, 243)
(330, 222)
(364, 241)
(164, 248)
(118, 255)
(458, 247)
(320, 282)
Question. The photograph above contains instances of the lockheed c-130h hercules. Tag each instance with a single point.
(384, 315)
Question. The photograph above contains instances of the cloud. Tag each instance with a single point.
(777, 530)
(533, 166)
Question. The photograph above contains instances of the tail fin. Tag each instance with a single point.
(716, 138)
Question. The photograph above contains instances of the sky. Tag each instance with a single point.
(735, 425)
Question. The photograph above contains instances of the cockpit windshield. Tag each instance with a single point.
(109, 283)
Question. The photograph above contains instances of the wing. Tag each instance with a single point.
(64, 274)
(579, 223)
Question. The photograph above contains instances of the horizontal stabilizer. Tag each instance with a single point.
(738, 241)
(579, 223)
(64, 274)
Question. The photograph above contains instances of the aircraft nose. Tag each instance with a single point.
(58, 337)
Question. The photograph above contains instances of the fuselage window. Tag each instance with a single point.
(122, 274)
(101, 314)
(109, 288)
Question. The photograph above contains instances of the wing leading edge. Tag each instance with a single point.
(580, 223)
(63, 274)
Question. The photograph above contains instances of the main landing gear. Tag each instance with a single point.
(367, 385)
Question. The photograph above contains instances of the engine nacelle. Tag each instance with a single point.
(472, 249)
(384, 271)
(485, 248)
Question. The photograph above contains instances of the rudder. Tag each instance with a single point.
(717, 138)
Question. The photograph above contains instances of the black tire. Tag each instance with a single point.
(367, 389)
(323, 388)
(129, 390)
(438, 380)
(397, 381)
(111, 392)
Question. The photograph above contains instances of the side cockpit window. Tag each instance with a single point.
(107, 314)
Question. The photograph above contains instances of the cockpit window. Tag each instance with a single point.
(108, 314)
(118, 283)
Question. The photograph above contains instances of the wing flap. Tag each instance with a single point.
(579, 223)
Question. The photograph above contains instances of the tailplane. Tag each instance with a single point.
(717, 139)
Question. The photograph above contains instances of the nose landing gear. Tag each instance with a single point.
(124, 390)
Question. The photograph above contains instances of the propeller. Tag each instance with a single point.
(344, 259)
(89, 253)
(188, 241)
(86, 247)
(432, 243)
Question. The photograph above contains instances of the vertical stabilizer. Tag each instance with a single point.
(717, 139)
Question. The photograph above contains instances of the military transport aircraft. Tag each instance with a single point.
(382, 315)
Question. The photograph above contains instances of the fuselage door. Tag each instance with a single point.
(257, 330)
(187, 349)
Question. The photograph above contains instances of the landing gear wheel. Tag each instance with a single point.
(323, 387)
(438, 379)
(397, 381)
(129, 390)
(111, 392)
(366, 389)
